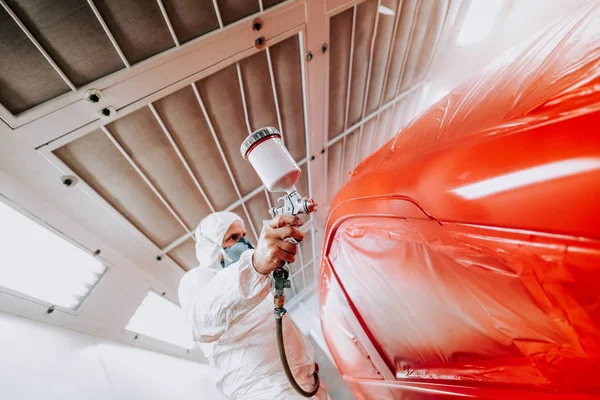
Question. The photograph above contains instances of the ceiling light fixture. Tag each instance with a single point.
(158, 318)
(40, 264)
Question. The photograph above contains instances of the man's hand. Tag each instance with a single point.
(272, 248)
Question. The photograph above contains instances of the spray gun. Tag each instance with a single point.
(279, 173)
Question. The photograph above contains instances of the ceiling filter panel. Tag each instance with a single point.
(285, 60)
(234, 10)
(167, 165)
(191, 18)
(380, 54)
(26, 78)
(72, 36)
(99, 163)
(138, 27)
(183, 119)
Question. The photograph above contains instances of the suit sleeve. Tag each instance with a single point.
(213, 301)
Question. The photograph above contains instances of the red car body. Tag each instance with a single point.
(463, 257)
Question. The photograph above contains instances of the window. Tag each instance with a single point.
(160, 319)
(41, 264)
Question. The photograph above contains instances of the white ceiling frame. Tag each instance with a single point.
(168, 22)
(142, 175)
(181, 157)
(343, 160)
(299, 254)
(308, 137)
(368, 83)
(38, 46)
(388, 62)
(272, 75)
(153, 249)
(315, 81)
(218, 12)
(408, 46)
(112, 39)
(243, 95)
(374, 114)
(348, 90)
(46, 151)
(350, 62)
(83, 130)
(247, 119)
(122, 88)
(334, 7)
(245, 107)
(222, 153)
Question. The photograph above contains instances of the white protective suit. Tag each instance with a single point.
(231, 314)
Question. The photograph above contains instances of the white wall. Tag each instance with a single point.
(40, 361)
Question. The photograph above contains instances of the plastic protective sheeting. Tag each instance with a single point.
(462, 258)
(473, 303)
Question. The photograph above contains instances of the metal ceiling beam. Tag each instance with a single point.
(181, 156)
(144, 178)
(247, 118)
(408, 47)
(373, 114)
(243, 95)
(109, 33)
(38, 46)
(367, 82)
(350, 62)
(168, 22)
(272, 75)
(220, 148)
(218, 12)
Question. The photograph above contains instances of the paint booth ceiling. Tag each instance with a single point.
(170, 155)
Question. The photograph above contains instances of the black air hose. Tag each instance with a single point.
(286, 366)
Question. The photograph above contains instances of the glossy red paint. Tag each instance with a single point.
(463, 257)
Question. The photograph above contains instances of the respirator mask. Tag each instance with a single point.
(233, 253)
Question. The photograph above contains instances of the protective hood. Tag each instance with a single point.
(209, 236)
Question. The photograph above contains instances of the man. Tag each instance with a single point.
(228, 304)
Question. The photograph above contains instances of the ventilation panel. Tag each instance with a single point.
(98, 162)
(366, 15)
(185, 255)
(285, 60)
(138, 27)
(26, 78)
(183, 119)
(223, 98)
(257, 92)
(142, 139)
(71, 35)
(234, 10)
(349, 155)
(381, 52)
(271, 3)
(340, 28)
(72, 43)
(167, 165)
(191, 18)
(377, 65)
